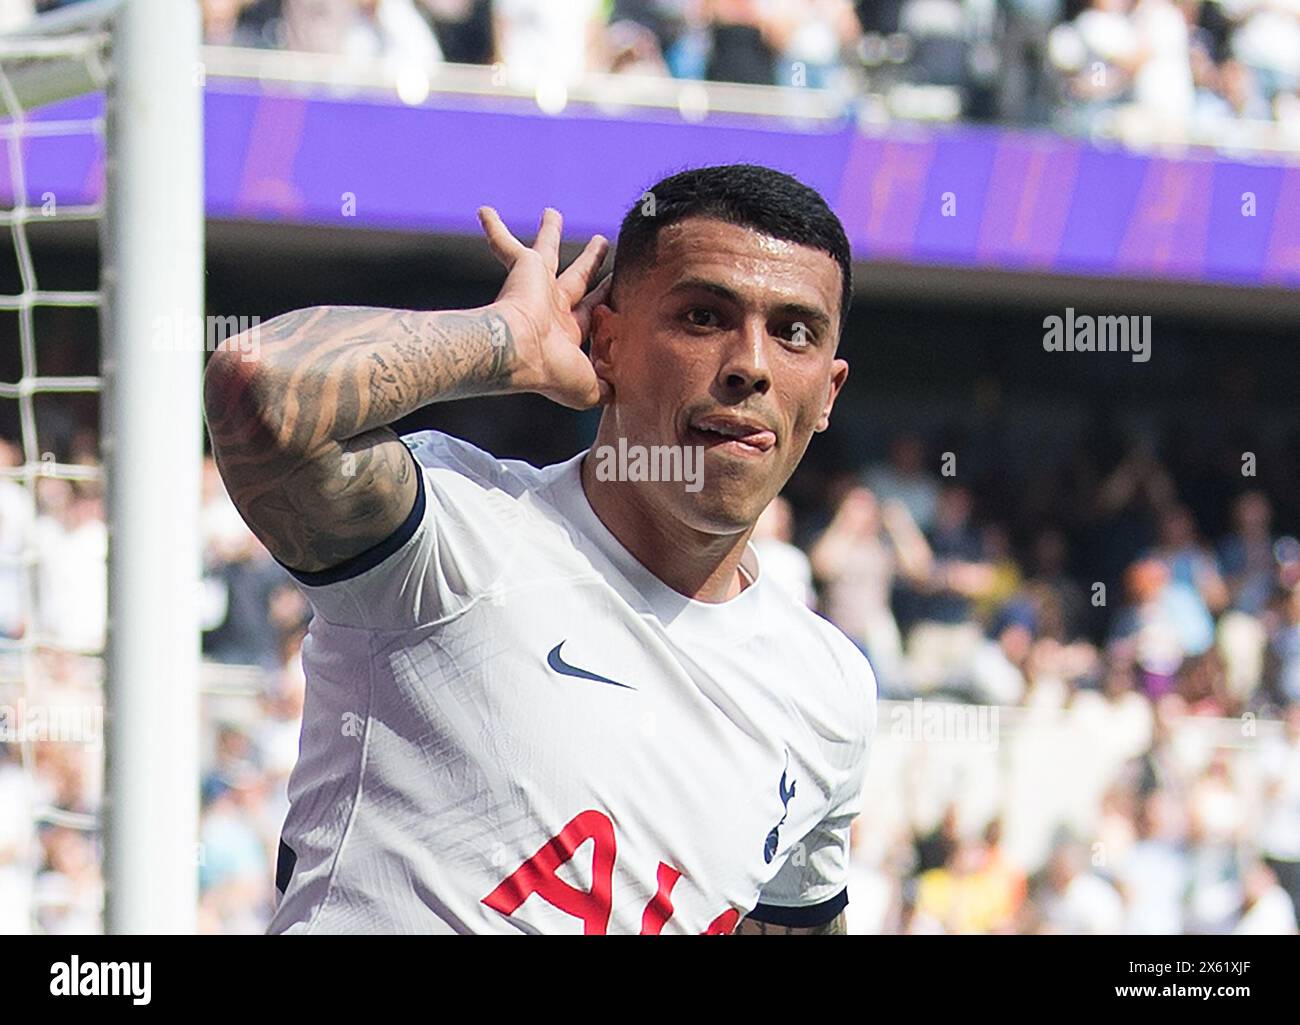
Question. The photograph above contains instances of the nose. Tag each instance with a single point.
(744, 370)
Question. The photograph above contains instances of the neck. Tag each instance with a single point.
(705, 567)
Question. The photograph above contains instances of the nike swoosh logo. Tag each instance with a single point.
(564, 669)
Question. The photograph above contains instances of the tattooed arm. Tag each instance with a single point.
(835, 927)
(300, 431)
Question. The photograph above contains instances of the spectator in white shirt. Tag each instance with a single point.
(545, 44)
(1266, 908)
(392, 31)
(779, 560)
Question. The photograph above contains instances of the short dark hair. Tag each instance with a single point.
(746, 195)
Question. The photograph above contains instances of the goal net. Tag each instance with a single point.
(100, 447)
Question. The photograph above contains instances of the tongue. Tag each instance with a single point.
(755, 439)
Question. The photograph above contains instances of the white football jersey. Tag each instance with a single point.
(512, 726)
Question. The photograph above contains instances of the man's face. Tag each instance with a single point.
(726, 342)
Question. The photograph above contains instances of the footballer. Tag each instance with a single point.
(547, 700)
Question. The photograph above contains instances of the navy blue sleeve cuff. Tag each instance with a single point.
(801, 918)
(285, 861)
(373, 556)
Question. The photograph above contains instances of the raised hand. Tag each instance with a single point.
(549, 312)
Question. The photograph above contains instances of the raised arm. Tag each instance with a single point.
(300, 432)
(915, 559)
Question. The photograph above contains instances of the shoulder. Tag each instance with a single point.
(461, 476)
(446, 455)
(474, 527)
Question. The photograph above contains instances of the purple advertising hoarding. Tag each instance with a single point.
(963, 196)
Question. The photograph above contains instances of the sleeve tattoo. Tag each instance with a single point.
(300, 433)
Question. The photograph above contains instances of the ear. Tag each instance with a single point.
(839, 374)
(605, 324)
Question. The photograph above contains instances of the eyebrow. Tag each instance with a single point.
(800, 311)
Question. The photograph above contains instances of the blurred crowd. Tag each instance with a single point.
(1097, 806)
(1120, 815)
(253, 617)
(946, 600)
(1203, 70)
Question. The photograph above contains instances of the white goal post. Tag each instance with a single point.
(145, 55)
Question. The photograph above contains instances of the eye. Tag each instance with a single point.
(701, 316)
(798, 334)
